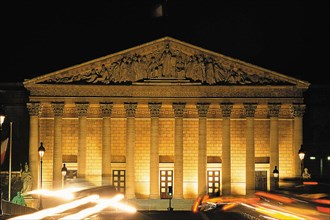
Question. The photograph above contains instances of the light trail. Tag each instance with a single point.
(102, 204)
(58, 209)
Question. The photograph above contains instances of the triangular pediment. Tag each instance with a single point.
(166, 60)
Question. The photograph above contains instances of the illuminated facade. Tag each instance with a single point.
(167, 113)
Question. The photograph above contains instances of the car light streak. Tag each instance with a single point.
(58, 209)
(273, 213)
(323, 209)
(275, 197)
(196, 204)
(63, 194)
(101, 204)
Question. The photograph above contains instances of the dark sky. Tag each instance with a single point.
(290, 37)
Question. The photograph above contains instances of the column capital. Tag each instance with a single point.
(226, 109)
(250, 109)
(58, 108)
(130, 108)
(154, 108)
(298, 110)
(106, 108)
(274, 109)
(82, 108)
(178, 108)
(202, 109)
(34, 108)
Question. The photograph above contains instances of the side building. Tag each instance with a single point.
(166, 113)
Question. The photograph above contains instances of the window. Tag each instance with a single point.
(213, 182)
(118, 179)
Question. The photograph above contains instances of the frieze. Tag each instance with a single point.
(168, 61)
(165, 91)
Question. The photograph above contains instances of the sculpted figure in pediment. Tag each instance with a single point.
(167, 62)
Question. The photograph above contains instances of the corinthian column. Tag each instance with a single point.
(130, 145)
(106, 110)
(297, 111)
(273, 111)
(226, 109)
(58, 108)
(250, 148)
(202, 109)
(82, 109)
(178, 150)
(154, 150)
(34, 109)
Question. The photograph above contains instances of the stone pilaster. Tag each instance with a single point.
(250, 109)
(297, 111)
(154, 150)
(273, 111)
(130, 109)
(58, 109)
(202, 109)
(178, 150)
(34, 109)
(226, 109)
(106, 111)
(82, 109)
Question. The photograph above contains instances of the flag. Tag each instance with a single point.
(4, 145)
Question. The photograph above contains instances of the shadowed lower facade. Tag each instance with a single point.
(166, 113)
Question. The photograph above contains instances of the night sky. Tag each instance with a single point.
(290, 37)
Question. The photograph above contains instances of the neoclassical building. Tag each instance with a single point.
(166, 113)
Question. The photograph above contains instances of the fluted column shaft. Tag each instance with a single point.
(130, 146)
(178, 150)
(154, 150)
(34, 112)
(106, 110)
(250, 148)
(274, 110)
(202, 109)
(82, 109)
(226, 109)
(297, 111)
(58, 109)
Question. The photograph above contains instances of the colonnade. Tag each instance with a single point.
(35, 109)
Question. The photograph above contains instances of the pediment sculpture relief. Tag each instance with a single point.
(168, 64)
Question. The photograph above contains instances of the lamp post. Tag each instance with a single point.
(301, 154)
(64, 170)
(2, 119)
(276, 177)
(41, 151)
(170, 195)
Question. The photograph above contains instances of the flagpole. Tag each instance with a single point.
(10, 156)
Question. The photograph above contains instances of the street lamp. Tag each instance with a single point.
(64, 170)
(276, 175)
(2, 119)
(301, 154)
(41, 151)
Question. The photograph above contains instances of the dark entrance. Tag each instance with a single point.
(261, 180)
